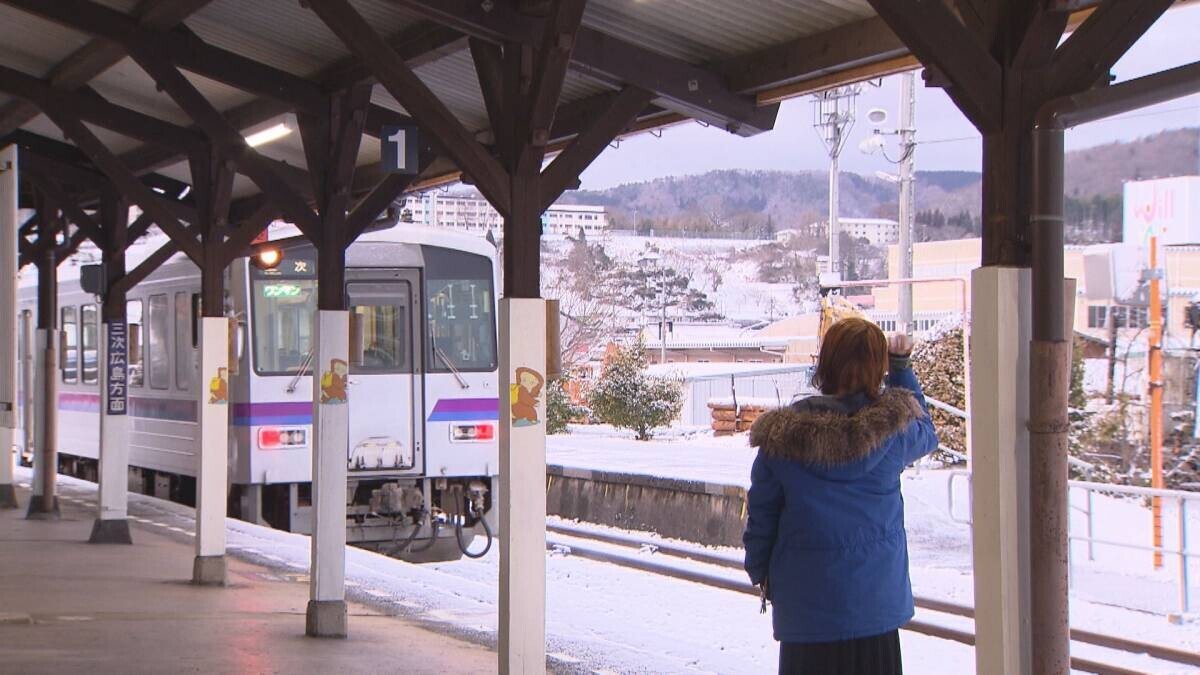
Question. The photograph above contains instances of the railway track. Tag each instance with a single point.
(1174, 656)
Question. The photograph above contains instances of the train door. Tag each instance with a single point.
(386, 433)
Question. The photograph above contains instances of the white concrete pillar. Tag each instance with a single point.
(28, 357)
(39, 395)
(326, 615)
(212, 471)
(1000, 323)
(8, 324)
(522, 486)
(112, 522)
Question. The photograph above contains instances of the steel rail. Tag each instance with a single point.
(941, 606)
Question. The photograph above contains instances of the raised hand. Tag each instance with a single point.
(900, 344)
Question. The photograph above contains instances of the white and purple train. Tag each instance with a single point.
(423, 386)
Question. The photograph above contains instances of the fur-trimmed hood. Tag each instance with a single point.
(822, 432)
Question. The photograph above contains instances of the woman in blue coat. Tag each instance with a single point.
(825, 533)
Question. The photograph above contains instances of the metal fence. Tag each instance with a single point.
(1182, 554)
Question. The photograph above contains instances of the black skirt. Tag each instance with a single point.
(874, 655)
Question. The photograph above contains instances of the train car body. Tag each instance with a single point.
(422, 385)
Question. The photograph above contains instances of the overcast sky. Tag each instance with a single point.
(948, 141)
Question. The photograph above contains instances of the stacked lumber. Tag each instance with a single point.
(728, 419)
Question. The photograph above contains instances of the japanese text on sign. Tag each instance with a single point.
(117, 365)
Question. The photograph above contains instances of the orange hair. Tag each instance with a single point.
(853, 359)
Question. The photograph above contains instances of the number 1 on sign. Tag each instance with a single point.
(398, 138)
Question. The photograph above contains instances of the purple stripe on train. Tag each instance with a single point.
(465, 410)
(272, 413)
(167, 409)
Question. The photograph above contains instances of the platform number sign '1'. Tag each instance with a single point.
(117, 367)
(398, 149)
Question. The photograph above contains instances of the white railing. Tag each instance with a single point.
(1181, 497)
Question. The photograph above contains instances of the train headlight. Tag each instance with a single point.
(267, 257)
(465, 433)
(274, 438)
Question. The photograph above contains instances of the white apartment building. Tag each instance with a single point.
(878, 231)
(471, 214)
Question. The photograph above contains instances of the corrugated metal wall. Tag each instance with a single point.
(779, 385)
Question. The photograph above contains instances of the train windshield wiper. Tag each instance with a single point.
(301, 371)
(441, 355)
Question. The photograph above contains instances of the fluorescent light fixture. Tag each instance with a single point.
(268, 135)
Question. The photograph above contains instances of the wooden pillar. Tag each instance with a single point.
(212, 183)
(8, 327)
(43, 505)
(112, 522)
(331, 143)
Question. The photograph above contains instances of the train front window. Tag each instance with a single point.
(379, 319)
(459, 310)
(283, 322)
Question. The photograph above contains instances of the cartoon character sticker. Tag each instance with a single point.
(523, 396)
(218, 387)
(333, 382)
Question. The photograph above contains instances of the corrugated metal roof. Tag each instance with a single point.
(283, 34)
(702, 31)
(33, 45)
(42, 126)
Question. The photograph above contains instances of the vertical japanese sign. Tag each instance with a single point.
(117, 367)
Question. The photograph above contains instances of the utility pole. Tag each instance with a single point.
(833, 117)
(908, 146)
(1156, 402)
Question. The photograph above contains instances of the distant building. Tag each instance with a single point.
(878, 231)
(952, 260)
(717, 343)
(471, 214)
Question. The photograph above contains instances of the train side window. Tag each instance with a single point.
(68, 356)
(88, 342)
(159, 355)
(133, 316)
(184, 363)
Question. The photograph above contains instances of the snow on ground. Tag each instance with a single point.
(600, 617)
(939, 546)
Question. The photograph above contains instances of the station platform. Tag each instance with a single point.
(67, 606)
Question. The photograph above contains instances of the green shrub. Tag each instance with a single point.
(627, 398)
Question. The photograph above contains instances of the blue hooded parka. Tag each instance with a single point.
(825, 527)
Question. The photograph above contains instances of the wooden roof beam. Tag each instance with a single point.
(98, 56)
(415, 96)
(126, 182)
(612, 120)
(1092, 49)
(936, 36)
(680, 86)
(182, 47)
(96, 110)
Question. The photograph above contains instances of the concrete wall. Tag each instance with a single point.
(694, 511)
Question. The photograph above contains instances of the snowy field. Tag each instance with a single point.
(602, 618)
